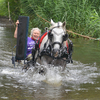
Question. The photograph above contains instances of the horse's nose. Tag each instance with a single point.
(56, 52)
(56, 45)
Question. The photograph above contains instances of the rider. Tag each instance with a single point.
(35, 33)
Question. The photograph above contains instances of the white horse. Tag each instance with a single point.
(53, 49)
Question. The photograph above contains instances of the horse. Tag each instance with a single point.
(54, 48)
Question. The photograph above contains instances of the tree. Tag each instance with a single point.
(14, 8)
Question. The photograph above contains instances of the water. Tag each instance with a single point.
(80, 80)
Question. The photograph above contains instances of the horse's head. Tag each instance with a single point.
(57, 35)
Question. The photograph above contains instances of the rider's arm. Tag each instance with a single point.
(15, 33)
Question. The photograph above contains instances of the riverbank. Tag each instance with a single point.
(4, 22)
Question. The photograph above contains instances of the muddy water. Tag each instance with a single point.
(80, 80)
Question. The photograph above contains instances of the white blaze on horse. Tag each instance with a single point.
(54, 47)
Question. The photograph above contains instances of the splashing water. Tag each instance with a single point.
(78, 73)
(53, 76)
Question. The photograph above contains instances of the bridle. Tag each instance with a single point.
(50, 35)
(47, 50)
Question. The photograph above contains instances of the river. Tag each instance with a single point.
(80, 80)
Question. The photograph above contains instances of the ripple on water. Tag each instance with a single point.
(1, 85)
(4, 97)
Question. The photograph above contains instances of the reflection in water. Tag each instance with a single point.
(86, 51)
(80, 80)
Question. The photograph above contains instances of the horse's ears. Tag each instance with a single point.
(64, 24)
(52, 22)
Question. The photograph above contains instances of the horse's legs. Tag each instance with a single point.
(64, 66)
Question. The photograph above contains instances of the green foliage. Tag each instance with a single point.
(94, 24)
(78, 14)
(14, 8)
(81, 16)
(3, 8)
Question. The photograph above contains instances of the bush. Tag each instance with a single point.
(80, 15)
(3, 8)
